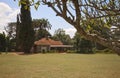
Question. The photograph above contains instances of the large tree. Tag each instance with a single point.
(41, 27)
(76, 12)
(26, 32)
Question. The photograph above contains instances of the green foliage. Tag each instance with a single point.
(41, 27)
(77, 41)
(22, 2)
(71, 51)
(42, 34)
(37, 5)
(26, 32)
(28, 3)
(81, 45)
(100, 47)
(41, 24)
(86, 46)
(11, 30)
(97, 26)
(10, 44)
(105, 51)
(11, 36)
(2, 42)
(61, 36)
(116, 34)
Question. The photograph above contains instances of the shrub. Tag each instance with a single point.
(71, 51)
(105, 51)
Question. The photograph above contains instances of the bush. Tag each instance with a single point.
(105, 51)
(2, 42)
(71, 51)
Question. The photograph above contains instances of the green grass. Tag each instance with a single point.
(60, 66)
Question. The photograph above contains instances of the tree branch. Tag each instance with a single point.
(77, 10)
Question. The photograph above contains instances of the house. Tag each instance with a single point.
(47, 44)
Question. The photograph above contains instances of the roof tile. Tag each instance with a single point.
(47, 41)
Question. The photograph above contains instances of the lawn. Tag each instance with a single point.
(60, 66)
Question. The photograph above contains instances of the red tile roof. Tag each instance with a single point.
(47, 41)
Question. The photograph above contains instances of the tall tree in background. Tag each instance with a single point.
(26, 32)
(11, 30)
(11, 36)
(41, 27)
(61, 36)
(76, 11)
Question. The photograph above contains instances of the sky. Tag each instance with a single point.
(9, 9)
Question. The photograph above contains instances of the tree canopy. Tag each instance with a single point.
(80, 13)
